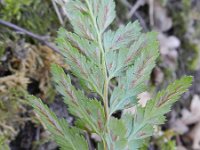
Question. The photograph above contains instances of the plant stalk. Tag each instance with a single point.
(104, 69)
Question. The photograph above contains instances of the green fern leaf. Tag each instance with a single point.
(89, 111)
(143, 65)
(121, 99)
(153, 114)
(115, 61)
(117, 137)
(80, 19)
(106, 14)
(81, 66)
(123, 37)
(133, 82)
(118, 61)
(65, 136)
(96, 57)
(87, 48)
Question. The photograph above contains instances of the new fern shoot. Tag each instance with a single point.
(97, 56)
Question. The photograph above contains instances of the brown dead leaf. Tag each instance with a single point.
(157, 76)
(96, 137)
(168, 46)
(179, 126)
(144, 98)
(173, 42)
(195, 135)
(189, 117)
(181, 148)
(169, 42)
(192, 116)
(161, 20)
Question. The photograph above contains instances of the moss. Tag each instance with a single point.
(194, 55)
(179, 24)
(181, 17)
(2, 50)
(25, 14)
(121, 11)
(11, 105)
(3, 144)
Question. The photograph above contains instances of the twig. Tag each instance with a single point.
(57, 12)
(137, 15)
(42, 39)
(89, 141)
(126, 3)
(13, 26)
(151, 12)
(135, 7)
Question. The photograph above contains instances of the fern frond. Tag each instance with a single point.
(143, 64)
(121, 99)
(117, 136)
(67, 137)
(89, 111)
(80, 19)
(133, 82)
(123, 37)
(106, 14)
(153, 114)
(81, 66)
(96, 56)
(88, 48)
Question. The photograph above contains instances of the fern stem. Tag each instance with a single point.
(99, 40)
(104, 68)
